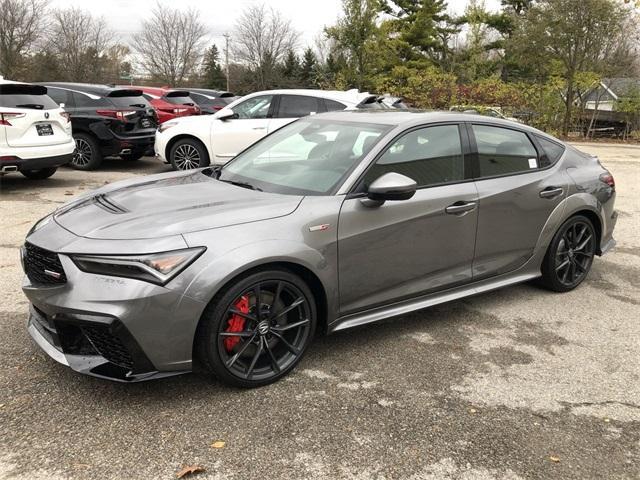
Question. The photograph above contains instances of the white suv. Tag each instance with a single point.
(35, 132)
(192, 142)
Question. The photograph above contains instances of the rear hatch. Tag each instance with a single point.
(137, 117)
(30, 118)
(187, 106)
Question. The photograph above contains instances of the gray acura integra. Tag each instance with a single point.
(334, 221)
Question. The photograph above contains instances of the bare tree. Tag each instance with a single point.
(262, 39)
(80, 42)
(21, 25)
(171, 44)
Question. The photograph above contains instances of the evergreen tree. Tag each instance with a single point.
(291, 69)
(213, 76)
(308, 69)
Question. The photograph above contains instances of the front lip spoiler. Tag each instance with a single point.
(89, 364)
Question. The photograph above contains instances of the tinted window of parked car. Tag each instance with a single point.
(502, 151)
(296, 106)
(430, 156)
(60, 96)
(552, 150)
(35, 100)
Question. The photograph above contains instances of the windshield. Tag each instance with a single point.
(307, 157)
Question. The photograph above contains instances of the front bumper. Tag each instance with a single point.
(116, 328)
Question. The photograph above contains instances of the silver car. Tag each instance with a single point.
(336, 220)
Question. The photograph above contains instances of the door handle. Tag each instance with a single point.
(551, 192)
(460, 208)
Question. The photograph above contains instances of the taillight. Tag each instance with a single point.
(66, 115)
(180, 110)
(6, 116)
(117, 114)
(608, 179)
(9, 158)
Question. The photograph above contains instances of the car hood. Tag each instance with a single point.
(169, 204)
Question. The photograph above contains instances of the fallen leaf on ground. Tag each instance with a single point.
(606, 420)
(190, 470)
(218, 444)
(68, 193)
(554, 459)
(472, 410)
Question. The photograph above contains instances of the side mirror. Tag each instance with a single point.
(225, 113)
(390, 186)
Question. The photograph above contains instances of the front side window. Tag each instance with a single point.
(430, 156)
(253, 108)
(296, 106)
(502, 151)
(307, 157)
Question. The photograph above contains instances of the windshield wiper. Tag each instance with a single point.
(242, 184)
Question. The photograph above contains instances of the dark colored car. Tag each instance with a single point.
(335, 220)
(210, 101)
(107, 121)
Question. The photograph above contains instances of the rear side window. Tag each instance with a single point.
(83, 100)
(184, 100)
(296, 106)
(430, 156)
(60, 96)
(25, 96)
(552, 150)
(333, 106)
(502, 151)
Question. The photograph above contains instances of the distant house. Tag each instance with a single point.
(603, 97)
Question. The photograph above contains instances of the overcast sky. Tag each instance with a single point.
(308, 16)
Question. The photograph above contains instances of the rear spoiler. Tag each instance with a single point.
(22, 89)
(369, 99)
(125, 92)
(177, 93)
(226, 95)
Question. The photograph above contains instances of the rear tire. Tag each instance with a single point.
(39, 174)
(271, 339)
(87, 155)
(187, 154)
(570, 255)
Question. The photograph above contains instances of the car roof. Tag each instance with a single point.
(90, 88)
(410, 117)
(209, 92)
(352, 97)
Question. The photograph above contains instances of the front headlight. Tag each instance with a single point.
(164, 126)
(156, 268)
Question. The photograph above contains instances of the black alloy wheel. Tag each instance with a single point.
(87, 155)
(259, 329)
(570, 255)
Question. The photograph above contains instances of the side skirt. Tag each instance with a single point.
(418, 303)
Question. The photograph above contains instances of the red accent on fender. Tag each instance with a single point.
(236, 323)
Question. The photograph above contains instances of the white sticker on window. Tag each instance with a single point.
(533, 163)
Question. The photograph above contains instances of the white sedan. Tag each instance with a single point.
(192, 142)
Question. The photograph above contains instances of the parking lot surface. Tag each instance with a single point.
(519, 383)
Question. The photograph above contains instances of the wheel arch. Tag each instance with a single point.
(305, 273)
(183, 136)
(597, 225)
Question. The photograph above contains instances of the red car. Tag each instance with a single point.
(169, 103)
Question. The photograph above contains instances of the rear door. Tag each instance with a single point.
(250, 124)
(518, 188)
(30, 118)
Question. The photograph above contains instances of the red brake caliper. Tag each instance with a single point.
(236, 322)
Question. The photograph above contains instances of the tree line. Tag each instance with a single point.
(534, 56)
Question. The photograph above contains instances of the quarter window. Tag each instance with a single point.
(254, 108)
(552, 150)
(502, 151)
(430, 156)
(296, 106)
(333, 106)
(60, 96)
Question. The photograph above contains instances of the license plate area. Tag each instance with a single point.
(44, 129)
(146, 123)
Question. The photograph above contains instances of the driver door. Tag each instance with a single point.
(406, 248)
(250, 123)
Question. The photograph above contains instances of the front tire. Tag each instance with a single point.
(256, 331)
(570, 255)
(39, 174)
(187, 154)
(87, 155)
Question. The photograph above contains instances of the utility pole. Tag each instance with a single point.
(226, 57)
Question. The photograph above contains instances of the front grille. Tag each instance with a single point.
(108, 345)
(43, 266)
